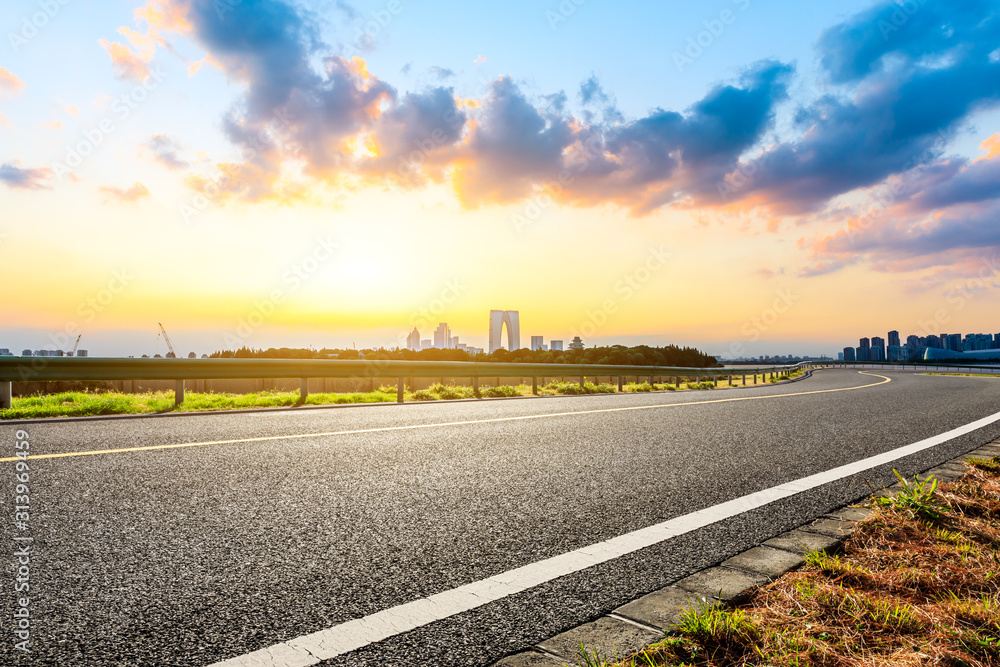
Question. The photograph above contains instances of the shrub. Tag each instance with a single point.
(424, 395)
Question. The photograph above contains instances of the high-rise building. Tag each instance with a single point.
(537, 342)
(556, 345)
(877, 349)
(82, 353)
(954, 342)
(896, 353)
(426, 344)
(4, 352)
(413, 340)
(576, 343)
(27, 353)
(499, 318)
(849, 354)
(894, 339)
(442, 336)
(454, 343)
(861, 354)
(865, 347)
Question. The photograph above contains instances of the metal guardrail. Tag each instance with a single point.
(50, 369)
(909, 365)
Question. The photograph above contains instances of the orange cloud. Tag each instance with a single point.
(991, 146)
(127, 63)
(135, 193)
(9, 83)
(4, 120)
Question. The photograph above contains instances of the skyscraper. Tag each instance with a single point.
(442, 336)
(849, 354)
(877, 352)
(413, 340)
(537, 342)
(865, 347)
(894, 339)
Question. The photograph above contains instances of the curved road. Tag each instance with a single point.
(203, 538)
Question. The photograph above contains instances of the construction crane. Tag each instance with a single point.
(171, 354)
(76, 345)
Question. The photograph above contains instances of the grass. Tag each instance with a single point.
(95, 403)
(918, 583)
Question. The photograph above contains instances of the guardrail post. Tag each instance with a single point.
(582, 382)
(475, 387)
(179, 393)
(744, 379)
(534, 386)
(651, 382)
(303, 389)
(400, 389)
(620, 384)
(755, 378)
(5, 395)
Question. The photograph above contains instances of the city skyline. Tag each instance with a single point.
(177, 176)
(915, 347)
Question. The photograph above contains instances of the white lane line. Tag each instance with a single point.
(340, 639)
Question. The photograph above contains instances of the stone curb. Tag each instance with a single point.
(631, 627)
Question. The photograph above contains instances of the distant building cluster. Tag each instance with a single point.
(943, 346)
(499, 321)
(4, 352)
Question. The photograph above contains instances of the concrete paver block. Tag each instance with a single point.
(608, 637)
(800, 542)
(662, 608)
(831, 527)
(770, 562)
(722, 582)
(528, 659)
(851, 513)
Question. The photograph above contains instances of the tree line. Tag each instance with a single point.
(639, 355)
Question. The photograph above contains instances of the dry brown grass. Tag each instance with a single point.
(904, 591)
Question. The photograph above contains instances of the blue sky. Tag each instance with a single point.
(536, 152)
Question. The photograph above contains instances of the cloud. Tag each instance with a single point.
(907, 103)
(513, 146)
(441, 73)
(135, 193)
(10, 84)
(898, 35)
(14, 176)
(131, 63)
(415, 140)
(165, 149)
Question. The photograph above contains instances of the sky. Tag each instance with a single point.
(743, 176)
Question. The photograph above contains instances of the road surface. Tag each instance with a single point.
(203, 538)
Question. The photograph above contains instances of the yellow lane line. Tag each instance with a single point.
(385, 429)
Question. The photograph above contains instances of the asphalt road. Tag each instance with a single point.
(192, 555)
